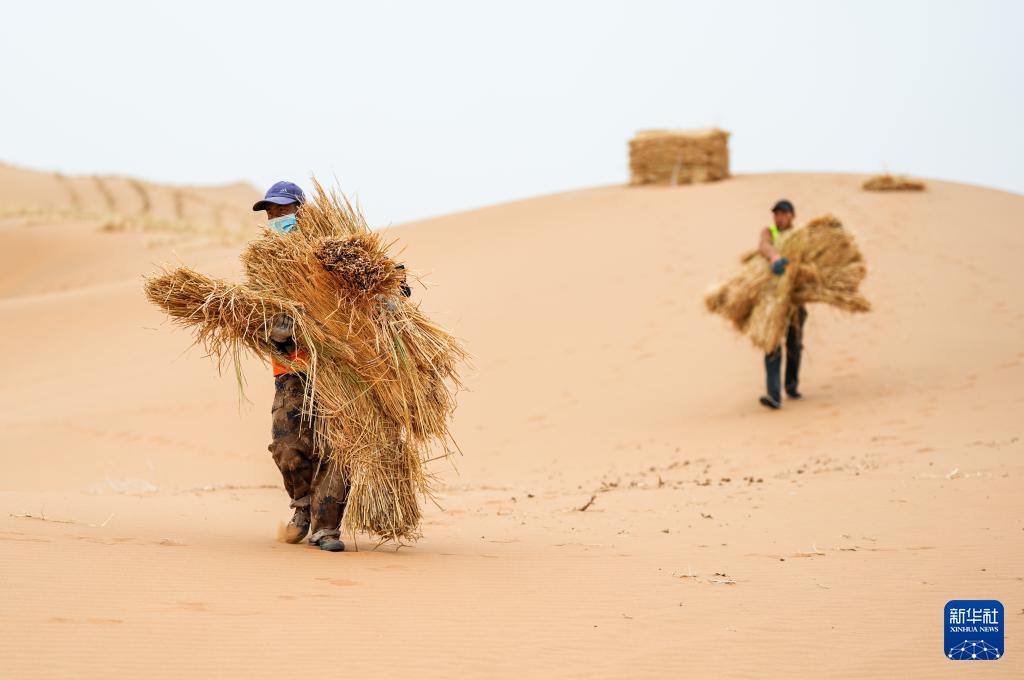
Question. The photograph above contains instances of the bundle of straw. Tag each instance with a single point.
(892, 183)
(381, 377)
(825, 265)
(678, 156)
(226, 317)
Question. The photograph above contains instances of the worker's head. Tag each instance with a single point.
(783, 212)
(282, 202)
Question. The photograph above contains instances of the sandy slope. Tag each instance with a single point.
(723, 540)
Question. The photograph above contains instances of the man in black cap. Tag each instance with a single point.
(783, 214)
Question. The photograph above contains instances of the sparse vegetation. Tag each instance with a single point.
(143, 193)
(65, 182)
(179, 204)
(889, 182)
(104, 191)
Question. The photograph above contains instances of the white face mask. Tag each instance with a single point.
(282, 224)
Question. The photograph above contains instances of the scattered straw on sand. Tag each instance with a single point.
(892, 183)
(825, 265)
(58, 520)
(382, 377)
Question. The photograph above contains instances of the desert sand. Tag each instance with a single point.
(139, 505)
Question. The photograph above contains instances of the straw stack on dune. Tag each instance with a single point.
(892, 183)
(678, 156)
(825, 265)
(381, 376)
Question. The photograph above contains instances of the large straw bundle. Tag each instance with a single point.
(892, 183)
(381, 376)
(825, 265)
(678, 156)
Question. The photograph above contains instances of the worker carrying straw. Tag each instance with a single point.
(364, 383)
(767, 299)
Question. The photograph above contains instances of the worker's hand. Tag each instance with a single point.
(779, 266)
(388, 302)
(281, 328)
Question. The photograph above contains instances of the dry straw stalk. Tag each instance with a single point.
(892, 183)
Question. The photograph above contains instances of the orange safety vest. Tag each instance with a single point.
(297, 363)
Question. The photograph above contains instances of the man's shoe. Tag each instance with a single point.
(794, 395)
(328, 540)
(770, 403)
(331, 544)
(298, 527)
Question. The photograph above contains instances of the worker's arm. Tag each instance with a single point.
(767, 248)
(771, 253)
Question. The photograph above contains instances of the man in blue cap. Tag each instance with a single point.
(311, 482)
(783, 215)
(282, 202)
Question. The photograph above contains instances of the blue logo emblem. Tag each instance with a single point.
(974, 630)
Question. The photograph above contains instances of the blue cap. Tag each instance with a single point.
(282, 193)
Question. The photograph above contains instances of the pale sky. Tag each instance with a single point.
(425, 108)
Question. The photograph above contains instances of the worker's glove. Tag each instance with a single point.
(388, 302)
(281, 328)
(779, 266)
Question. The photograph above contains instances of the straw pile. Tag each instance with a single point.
(678, 156)
(825, 265)
(892, 183)
(381, 377)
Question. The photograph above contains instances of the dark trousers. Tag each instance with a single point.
(773, 360)
(311, 480)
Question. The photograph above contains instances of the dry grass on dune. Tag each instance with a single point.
(382, 376)
(892, 183)
(825, 266)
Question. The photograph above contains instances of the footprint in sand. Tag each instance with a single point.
(341, 582)
(25, 540)
(194, 606)
(169, 542)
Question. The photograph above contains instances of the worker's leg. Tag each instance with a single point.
(292, 448)
(329, 496)
(772, 369)
(794, 347)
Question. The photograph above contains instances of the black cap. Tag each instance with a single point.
(784, 206)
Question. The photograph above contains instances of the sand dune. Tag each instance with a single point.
(139, 503)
